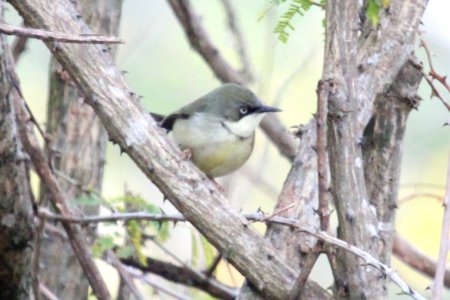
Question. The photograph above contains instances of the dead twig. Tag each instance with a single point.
(57, 36)
(293, 223)
(238, 39)
(432, 74)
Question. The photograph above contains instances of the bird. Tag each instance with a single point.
(217, 131)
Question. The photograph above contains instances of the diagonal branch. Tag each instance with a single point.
(183, 275)
(74, 232)
(417, 260)
(131, 127)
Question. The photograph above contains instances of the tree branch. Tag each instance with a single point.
(130, 126)
(57, 36)
(41, 166)
(412, 257)
(183, 276)
(76, 237)
(438, 284)
(238, 39)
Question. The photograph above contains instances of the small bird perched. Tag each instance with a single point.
(217, 131)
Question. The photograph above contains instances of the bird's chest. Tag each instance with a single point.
(215, 150)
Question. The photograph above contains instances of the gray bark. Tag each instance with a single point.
(130, 126)
(77, 147)
(368, 61)
(16, 214)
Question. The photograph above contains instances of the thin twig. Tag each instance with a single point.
(365, 256)
(419, 195)
(37, 256)
(46, 214)
(57, 36)
(162, 288)
(210, 271)
(18, 47)
(293, 223)
(438, 284)
(434, 75)
(300, 281)
(278, 212)
(124, 274)
(46, 292)
(238, 39)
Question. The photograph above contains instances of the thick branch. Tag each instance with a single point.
(408, 254)
(129, 125)
(16, 214)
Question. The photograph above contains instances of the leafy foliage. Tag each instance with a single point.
(373, 10)
(130, 242)
(296, 7)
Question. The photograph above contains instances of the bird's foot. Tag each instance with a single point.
(218, 186)
(186, 154)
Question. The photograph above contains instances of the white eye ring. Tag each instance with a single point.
(243, 110)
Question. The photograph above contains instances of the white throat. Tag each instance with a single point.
(246, 126)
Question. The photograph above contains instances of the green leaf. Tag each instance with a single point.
(208, 250)
(102, 244)
(195, 250)
(135, 236)
(125, 252)
(373, 11)
(296, 8)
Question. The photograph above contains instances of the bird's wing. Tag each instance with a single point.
(168, 121)
(157, 117)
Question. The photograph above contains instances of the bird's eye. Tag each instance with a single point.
(243, 110)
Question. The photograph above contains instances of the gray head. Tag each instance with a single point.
(233, 102)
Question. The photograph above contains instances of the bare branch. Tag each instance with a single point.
(201, 42)
(76, 239)
(46, 214)
(411, 256)
(432, 74)
(238, 39)
(152, 265)
(335, 242)
(57, 36)
(46, 292)
(189, 190)
(185, 276)
(124, 274)
(18, 47)
(438, 284)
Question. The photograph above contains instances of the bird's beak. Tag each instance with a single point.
(265, 109)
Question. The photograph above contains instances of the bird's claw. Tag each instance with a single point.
(186, 154)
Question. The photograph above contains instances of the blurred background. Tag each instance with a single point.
(167, 73)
